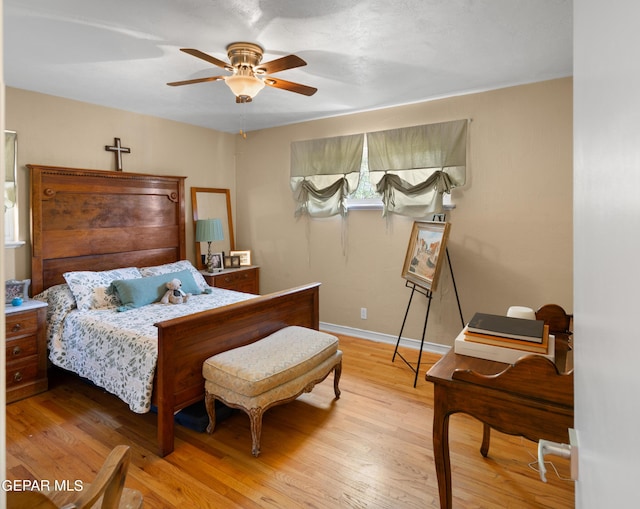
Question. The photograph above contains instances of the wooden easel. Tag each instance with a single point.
(428, 294)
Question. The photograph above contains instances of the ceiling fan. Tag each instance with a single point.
(249, 76)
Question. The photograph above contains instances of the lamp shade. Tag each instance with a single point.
(521, 312)
(209, 230)
(242, 85)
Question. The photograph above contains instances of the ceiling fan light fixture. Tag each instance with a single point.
(249, 76)
(244, 86)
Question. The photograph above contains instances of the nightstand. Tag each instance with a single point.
(242, 279)
(26, 349)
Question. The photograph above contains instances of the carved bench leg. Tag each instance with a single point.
(337, 371)
(486, 437)
(255, 416)
(210, 404)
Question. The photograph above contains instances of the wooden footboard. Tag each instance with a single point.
(184, 343)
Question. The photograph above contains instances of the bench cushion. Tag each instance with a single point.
(282, 393)
(259, 367)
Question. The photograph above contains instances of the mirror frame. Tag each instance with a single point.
(194, 207)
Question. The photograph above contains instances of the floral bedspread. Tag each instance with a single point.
(118, 350)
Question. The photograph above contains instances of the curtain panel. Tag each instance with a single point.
(412, 167)
(324, 172)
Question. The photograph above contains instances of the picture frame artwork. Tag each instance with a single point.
(245, 257)
(426, 253)
(217, 261)
(231, 262)
(14, 288)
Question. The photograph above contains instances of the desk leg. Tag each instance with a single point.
(441, 446)
(486, 437)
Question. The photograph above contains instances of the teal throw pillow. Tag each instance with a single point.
(135, 293)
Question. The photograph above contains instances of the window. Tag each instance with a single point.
(11, 191)
(365, 196)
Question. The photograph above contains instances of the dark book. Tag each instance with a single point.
(519, 344)
(507, 327)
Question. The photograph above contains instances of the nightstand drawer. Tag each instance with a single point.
(245, 280)
(234, 278)
(23, 371)
(26, 350)
(21, 324)
(20, 348)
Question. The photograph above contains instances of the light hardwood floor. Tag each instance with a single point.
(371, 448)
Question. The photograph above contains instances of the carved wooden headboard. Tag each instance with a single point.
(100, 220)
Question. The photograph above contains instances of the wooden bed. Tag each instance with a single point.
(99, 220)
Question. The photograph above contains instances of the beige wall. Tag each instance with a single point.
(63, 132)
(511, 234)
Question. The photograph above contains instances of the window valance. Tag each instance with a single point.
(324, 172)
(412, 167)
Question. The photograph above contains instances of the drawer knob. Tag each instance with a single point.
(16, 327)
(17, 350)
(17, 377)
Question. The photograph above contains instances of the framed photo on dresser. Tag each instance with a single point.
(245, 257)
(231, 262)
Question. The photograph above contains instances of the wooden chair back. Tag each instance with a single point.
(559, 322)
(107, 491)
(109, 482)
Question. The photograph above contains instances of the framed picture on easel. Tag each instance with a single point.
(426, 253)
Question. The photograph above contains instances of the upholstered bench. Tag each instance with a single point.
(272, 371)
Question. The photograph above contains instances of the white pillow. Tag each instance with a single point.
(92, 290)
(176, 267)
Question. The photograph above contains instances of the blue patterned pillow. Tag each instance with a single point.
(60, 302)
(93, 290)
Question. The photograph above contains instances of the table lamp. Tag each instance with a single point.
(209, 230)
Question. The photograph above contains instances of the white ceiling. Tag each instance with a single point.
(361, 55)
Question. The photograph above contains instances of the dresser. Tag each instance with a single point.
(242, 279)
(26, 349)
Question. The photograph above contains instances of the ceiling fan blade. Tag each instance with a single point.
(290, 86)
(208, 58)
(280, 64)
(197, 80)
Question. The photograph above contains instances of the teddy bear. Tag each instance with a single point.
(174, 294)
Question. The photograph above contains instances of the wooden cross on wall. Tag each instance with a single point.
(118, 151)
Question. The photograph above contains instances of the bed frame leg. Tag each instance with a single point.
(165, 432)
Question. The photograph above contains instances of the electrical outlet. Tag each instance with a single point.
(363, 313)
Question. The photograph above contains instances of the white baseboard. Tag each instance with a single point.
(384, 338)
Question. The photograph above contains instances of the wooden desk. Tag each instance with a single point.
(531, 398)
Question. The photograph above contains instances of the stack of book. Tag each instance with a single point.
(504, 339)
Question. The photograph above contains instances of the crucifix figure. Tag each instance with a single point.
(119, 150)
